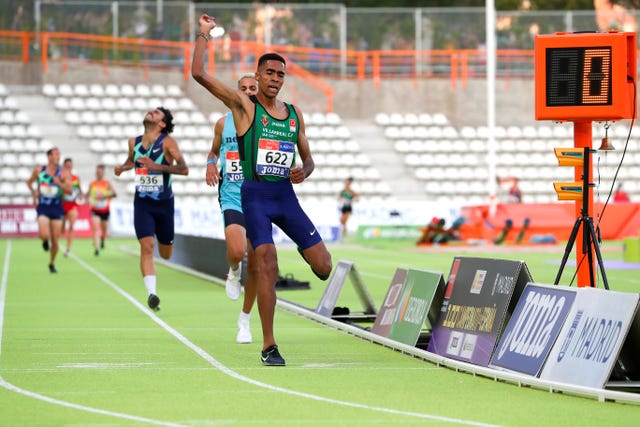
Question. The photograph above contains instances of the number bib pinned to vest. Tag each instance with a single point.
(275, 158)
(147, 181)
(232, 167)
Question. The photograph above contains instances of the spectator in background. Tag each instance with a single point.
(620, 195)
(100, 194)
(436, 233)
(70, 204)
(509, 190)
(156, 156)
(515, 194)
(346, 198)
(16, 22)
(52, 181)
(431, 231)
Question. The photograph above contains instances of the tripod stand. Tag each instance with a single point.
(589, 238)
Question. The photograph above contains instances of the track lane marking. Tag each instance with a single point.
(7, 385)
(200, 352)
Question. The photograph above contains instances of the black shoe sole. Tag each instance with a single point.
(154, 302)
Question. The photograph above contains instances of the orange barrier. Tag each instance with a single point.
(619, 220)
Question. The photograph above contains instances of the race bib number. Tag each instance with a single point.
(232, 167)
(274, 157)
(148, 181)
(100, 204)
(48, 190)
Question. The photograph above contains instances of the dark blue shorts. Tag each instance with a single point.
(104, 216)
(54, 212)
(154, 218)
(232, 216)
(264, 203)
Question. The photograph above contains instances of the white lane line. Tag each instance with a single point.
(222, 368)
(11, 387)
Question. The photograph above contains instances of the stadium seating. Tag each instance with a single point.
(454, 161)
(22, 147)
(92, 109)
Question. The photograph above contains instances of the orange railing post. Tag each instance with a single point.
(44, 43)
(464, 69)
(376, 69)
(454, 69)
(26, 37)
(362, 63)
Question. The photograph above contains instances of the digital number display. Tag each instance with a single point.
(578, 76)
(585, 76)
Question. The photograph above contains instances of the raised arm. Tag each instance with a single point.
(235, 100)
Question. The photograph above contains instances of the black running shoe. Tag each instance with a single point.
(271, 356)
(154, 302)
(52, 268)
(45, 245)
(96, 252)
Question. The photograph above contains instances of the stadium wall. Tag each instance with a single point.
(463, 103)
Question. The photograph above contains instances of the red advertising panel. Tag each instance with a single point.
(21, 221)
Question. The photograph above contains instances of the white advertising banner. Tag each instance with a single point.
(200, 219)
(194, 219)
(591, 338)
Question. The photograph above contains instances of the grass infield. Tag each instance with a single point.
(80, 348)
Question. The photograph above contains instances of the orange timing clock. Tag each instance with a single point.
(585, 76)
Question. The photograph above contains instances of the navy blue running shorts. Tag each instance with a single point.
(264, 203)
(154, 218)
(50, 211)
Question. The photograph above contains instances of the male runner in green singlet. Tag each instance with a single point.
(269, 131)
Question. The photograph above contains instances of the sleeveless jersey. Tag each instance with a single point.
(230, 168)
(96, 188)
(268, 149)
(75, 190)
(49, 194)
(347, 196)
(151, 184)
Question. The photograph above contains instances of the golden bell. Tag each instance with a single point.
(606, 145)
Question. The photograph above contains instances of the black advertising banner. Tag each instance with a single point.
(481, 298)
(533, 328)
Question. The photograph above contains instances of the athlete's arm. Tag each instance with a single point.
(239, 104)
(111, 191)
(34, 178)
(128, 164)
(212, 176)
(80, 193)
(298, 174)
(64, 182)
(177, 164)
